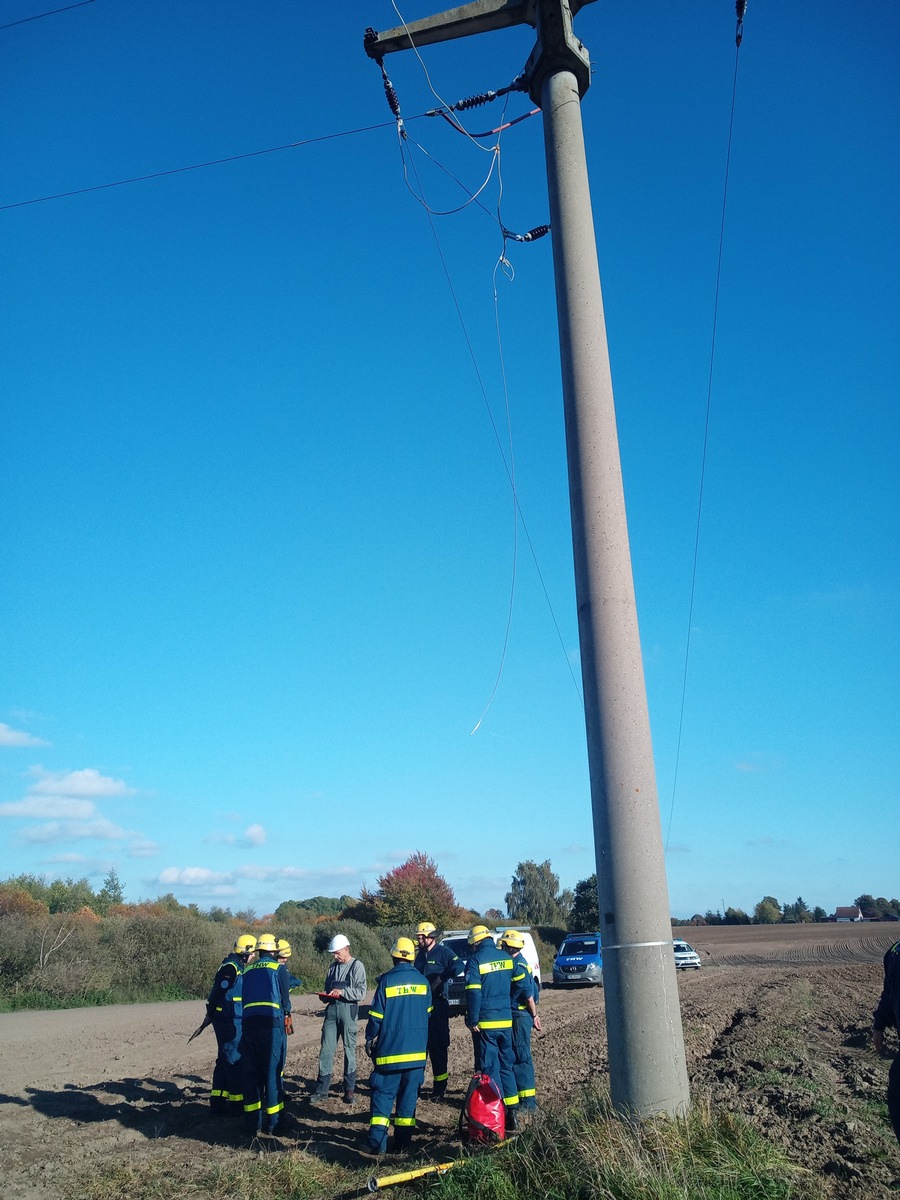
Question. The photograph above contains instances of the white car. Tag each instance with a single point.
(685, 956)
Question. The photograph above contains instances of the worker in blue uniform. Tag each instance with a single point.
(439, 965)
(223, 1012)
(266, 1003)
(397, 1043)
(525, 1018)
(283, 953)
(490, 995)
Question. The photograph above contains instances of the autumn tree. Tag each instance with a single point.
(410, 893)
(534, 896)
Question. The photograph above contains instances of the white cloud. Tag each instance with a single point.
(71, 831)
(142, 847)
(254, 835)
(192, 877)
(48, 806)
(18, 737)
(85, 783)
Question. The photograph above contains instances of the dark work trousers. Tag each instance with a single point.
(439, 1043)
(262, 1056)
(893, 1096)
(523, 1063)
(494, 1048)
(227, 1091)
(339, 1025)
(388, 1086)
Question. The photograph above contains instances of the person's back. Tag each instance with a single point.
(488, 986)
(401, 1006)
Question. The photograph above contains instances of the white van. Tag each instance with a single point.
(458, 941)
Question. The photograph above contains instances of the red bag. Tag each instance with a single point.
(483, 1117)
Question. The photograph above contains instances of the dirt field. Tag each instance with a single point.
(776, 1027)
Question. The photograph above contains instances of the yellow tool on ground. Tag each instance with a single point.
(406, 1176)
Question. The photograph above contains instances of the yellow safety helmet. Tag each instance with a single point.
(512, 939)
(478, 933)
(404, 948)
(425, 929)
(245, 944)
(267, 944)
(284, 948)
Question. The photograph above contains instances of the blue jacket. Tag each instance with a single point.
(523, 985)
(398, 1019)
(489, 986)
(439, 965)
(224, 1000)
(265, 989)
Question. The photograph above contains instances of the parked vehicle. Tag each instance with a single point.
(685, 956)
(458, 941)
(579, 960)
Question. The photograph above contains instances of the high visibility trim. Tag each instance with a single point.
(262, 1004)
(405, 1121)
(526, 1092)
(407, 989)
(218, 1092)
(253, 1107)
(218, 1008)
(379, 1120)
(471, 986)
(502, 964)
(441, 1078)
(495, 1024)
(509, 1101)
(401, 1058)
(276, 1108)
(377, 1015)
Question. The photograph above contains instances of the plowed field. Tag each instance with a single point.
(776, 1028)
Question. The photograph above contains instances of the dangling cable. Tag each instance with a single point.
(741, 8)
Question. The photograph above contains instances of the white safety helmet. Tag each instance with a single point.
(338, 942)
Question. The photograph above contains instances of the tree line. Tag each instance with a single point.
(63, 943)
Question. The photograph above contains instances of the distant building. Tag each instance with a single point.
(853, 913)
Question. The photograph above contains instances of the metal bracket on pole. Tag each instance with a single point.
(557, 48)
(480, 16)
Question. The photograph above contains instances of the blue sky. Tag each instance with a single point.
(259, 540)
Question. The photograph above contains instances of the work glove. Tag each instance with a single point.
(288, 1023)
(371, 1047)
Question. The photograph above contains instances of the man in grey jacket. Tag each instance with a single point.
(345, 987)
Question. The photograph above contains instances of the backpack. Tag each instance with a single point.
(483, 1117)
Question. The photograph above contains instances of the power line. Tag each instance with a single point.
(52, 13)
(214, 162)
(740, 8)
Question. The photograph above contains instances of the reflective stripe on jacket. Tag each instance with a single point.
(265, 990)
(398, 1019)
(224, 1001)
(489, 973)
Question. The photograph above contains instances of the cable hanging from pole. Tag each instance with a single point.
(740, 10)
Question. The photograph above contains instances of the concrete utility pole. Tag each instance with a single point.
(643, 1018)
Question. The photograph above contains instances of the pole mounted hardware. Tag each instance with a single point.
(557, 47)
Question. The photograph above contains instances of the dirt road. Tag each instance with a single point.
(776, 1028)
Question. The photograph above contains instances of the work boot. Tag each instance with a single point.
(349, 1097)
(438, 1092)
(512, 1120)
